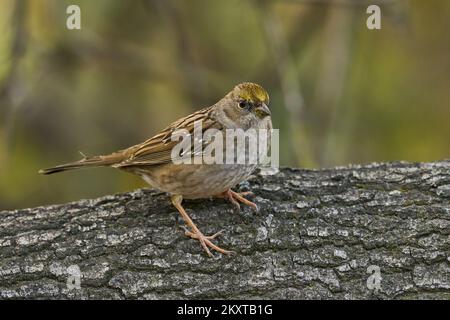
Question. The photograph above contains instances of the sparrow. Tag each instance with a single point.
(244, 107)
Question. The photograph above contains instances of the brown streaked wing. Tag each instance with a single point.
(157, 150)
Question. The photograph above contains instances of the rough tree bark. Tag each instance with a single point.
(319, 234)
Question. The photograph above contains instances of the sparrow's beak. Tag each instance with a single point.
(262, 111)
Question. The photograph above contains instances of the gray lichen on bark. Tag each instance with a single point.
(319, 234)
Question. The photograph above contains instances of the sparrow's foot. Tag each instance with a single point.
(206, 242)
(236, 197)
(194, 232)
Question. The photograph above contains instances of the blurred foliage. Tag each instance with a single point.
(340, 93)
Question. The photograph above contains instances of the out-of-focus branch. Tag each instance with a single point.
(333, 69)
(340, 3)
(17, 46)
(289, 82)
(12, 91)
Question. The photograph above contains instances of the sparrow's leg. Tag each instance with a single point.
(195, 233)
(236, 197)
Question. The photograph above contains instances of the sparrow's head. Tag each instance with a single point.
(246, 105)
(252, 98)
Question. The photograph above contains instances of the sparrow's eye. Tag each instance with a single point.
(245, 105)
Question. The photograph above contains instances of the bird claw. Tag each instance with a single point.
(205, 241)
(236, 205)
(247, 194)
(236, 197)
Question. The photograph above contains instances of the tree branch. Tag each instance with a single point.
(316, 236)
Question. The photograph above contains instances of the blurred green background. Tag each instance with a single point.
(340, 93)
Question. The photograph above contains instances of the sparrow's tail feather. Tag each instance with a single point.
(95, 161)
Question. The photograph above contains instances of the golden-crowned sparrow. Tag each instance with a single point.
(245, 107)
